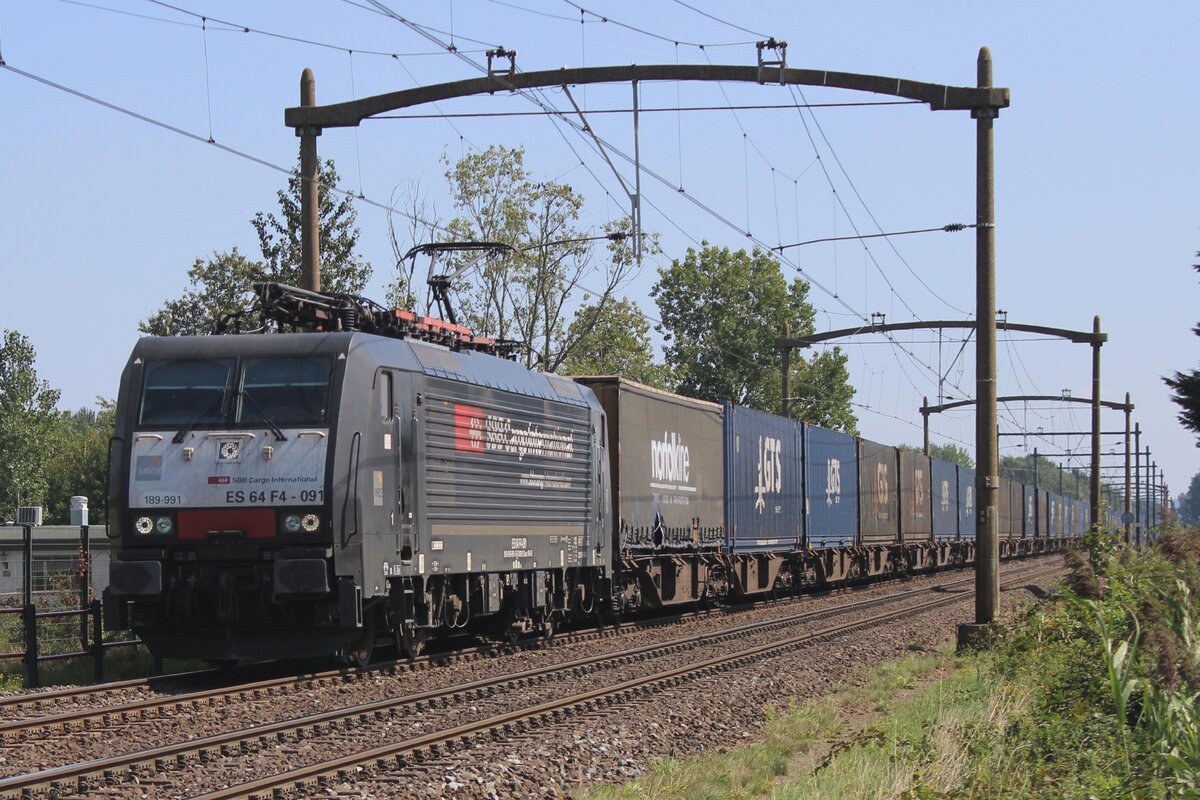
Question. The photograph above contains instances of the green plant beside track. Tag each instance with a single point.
(1090, 694)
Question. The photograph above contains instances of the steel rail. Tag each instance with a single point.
(159, 758)
(392, 755)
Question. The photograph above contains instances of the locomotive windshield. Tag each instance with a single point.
(265, 391)
(188, 392)
(284, 391)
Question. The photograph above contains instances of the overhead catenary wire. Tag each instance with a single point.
(239, 28)
(218, 145)
(722, 21)
(669, 39)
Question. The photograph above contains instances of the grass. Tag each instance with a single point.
(1092, 695)
(791, 738)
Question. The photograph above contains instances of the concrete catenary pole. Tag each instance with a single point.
(1137, 482)
(1095, 476)
(987, 445)
(310, 231)
(1127, 517)
(925, 419)
(785, 400)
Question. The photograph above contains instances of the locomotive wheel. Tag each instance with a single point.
(358, 653)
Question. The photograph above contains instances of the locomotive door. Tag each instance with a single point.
(380, 485)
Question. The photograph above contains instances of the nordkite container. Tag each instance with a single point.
(966, 503)
(764, 481)
(878, 492)
(1043, 499)
(830, 487)
(915, 508)
(945, 500)
(668, 479)
(1011, 494)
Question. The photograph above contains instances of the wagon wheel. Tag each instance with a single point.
(410, 640)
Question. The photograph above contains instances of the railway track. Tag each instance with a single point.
(160, 761)
(68, 709)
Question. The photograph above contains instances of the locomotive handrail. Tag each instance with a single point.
(227, 434)
(351, 478)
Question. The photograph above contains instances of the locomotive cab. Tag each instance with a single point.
(219, 484)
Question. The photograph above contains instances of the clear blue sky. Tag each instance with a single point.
(1097, 204)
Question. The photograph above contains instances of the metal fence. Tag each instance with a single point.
(51, 581)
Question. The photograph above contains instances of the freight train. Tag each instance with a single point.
(374, 475)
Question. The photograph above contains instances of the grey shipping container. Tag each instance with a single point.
(945, 500)
(915, 509)
(1043, 500)
(764, 481)
(668, 479)
(830, 487)
(966, 503)
(878, 495)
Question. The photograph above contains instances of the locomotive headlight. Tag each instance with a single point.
(311, 523)
(164, 524)
(292, 523)
(144, 525)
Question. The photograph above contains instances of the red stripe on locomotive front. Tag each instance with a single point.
(258, 523)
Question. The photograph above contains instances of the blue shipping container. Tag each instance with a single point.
(764, 489)
(945, 500)
(831, 487)
(966, 503)
(1030, 522)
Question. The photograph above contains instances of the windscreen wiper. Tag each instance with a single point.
(279, 437)
(185, 430)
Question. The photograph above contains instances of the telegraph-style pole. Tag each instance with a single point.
(310, 231)
(1137, 479)
(987, 480)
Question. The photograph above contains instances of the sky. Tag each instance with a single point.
(1097, 208)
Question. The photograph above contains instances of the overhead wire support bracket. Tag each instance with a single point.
(506, 75)
(635, 211)
(779, 63)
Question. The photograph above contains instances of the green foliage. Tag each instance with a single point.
(28, 419)
(613, 340)
(1021, 469)
(78, 462)
(951, 453)
(222, 284)
(721, 313)
(525, 294)
(1186, 390)
(1188, 504)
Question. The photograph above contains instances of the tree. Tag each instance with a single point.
(721, 313)
(27, 422)
(78, 461)
(222, 284)
(1189, 503)
(1074, 482)
(524, 293)
(614, 340)
(1186, 389)
(951, 453)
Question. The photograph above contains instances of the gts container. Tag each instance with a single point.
(878, 496)
(668, 487)
(945, 500)
(915, 507)
(966, 503)
(1029, 496)
(764, 488)
(830, 487)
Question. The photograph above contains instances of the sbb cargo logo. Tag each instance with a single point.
(476, 432)
(468, 428)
